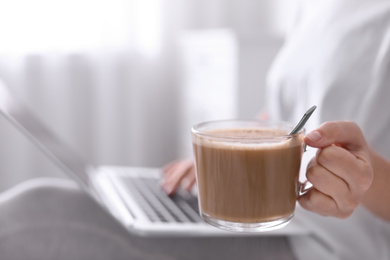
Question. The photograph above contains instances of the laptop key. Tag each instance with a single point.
(182, 206)
(165, 200)
(154, 212)
(188, 204)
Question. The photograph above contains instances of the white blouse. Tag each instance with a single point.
(337, 57)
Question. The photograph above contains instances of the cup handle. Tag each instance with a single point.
(305, 186)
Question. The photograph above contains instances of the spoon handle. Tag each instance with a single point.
(303, 120)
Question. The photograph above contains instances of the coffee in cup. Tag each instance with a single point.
(247, 173)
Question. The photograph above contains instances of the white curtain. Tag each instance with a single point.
(105, 75)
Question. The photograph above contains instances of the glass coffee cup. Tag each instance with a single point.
(247, 173)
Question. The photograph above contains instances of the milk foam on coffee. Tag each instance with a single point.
(245, 138)
(247, 175)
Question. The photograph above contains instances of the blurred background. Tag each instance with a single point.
(122, 81)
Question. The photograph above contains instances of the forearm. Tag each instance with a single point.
(377, 198)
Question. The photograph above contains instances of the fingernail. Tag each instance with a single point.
(314, 136)
(166, 188)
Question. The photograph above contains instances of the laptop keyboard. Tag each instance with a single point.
(158, 206)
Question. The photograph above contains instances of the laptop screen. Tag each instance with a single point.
(21, 117)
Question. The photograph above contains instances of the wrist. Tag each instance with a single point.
(377, 197)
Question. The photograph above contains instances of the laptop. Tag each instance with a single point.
(131, 195)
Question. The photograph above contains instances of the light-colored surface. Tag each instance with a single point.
(52, 219)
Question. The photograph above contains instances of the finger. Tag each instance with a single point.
(172, 181)
(331, 185)
(337, 160)
(169, 168)
(318, 202)
(190, 180)
(344, 133)
(177, 173)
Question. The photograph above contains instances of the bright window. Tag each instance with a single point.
(75, 25)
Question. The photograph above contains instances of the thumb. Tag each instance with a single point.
(344, 133)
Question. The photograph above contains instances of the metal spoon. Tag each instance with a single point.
(303, 120)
